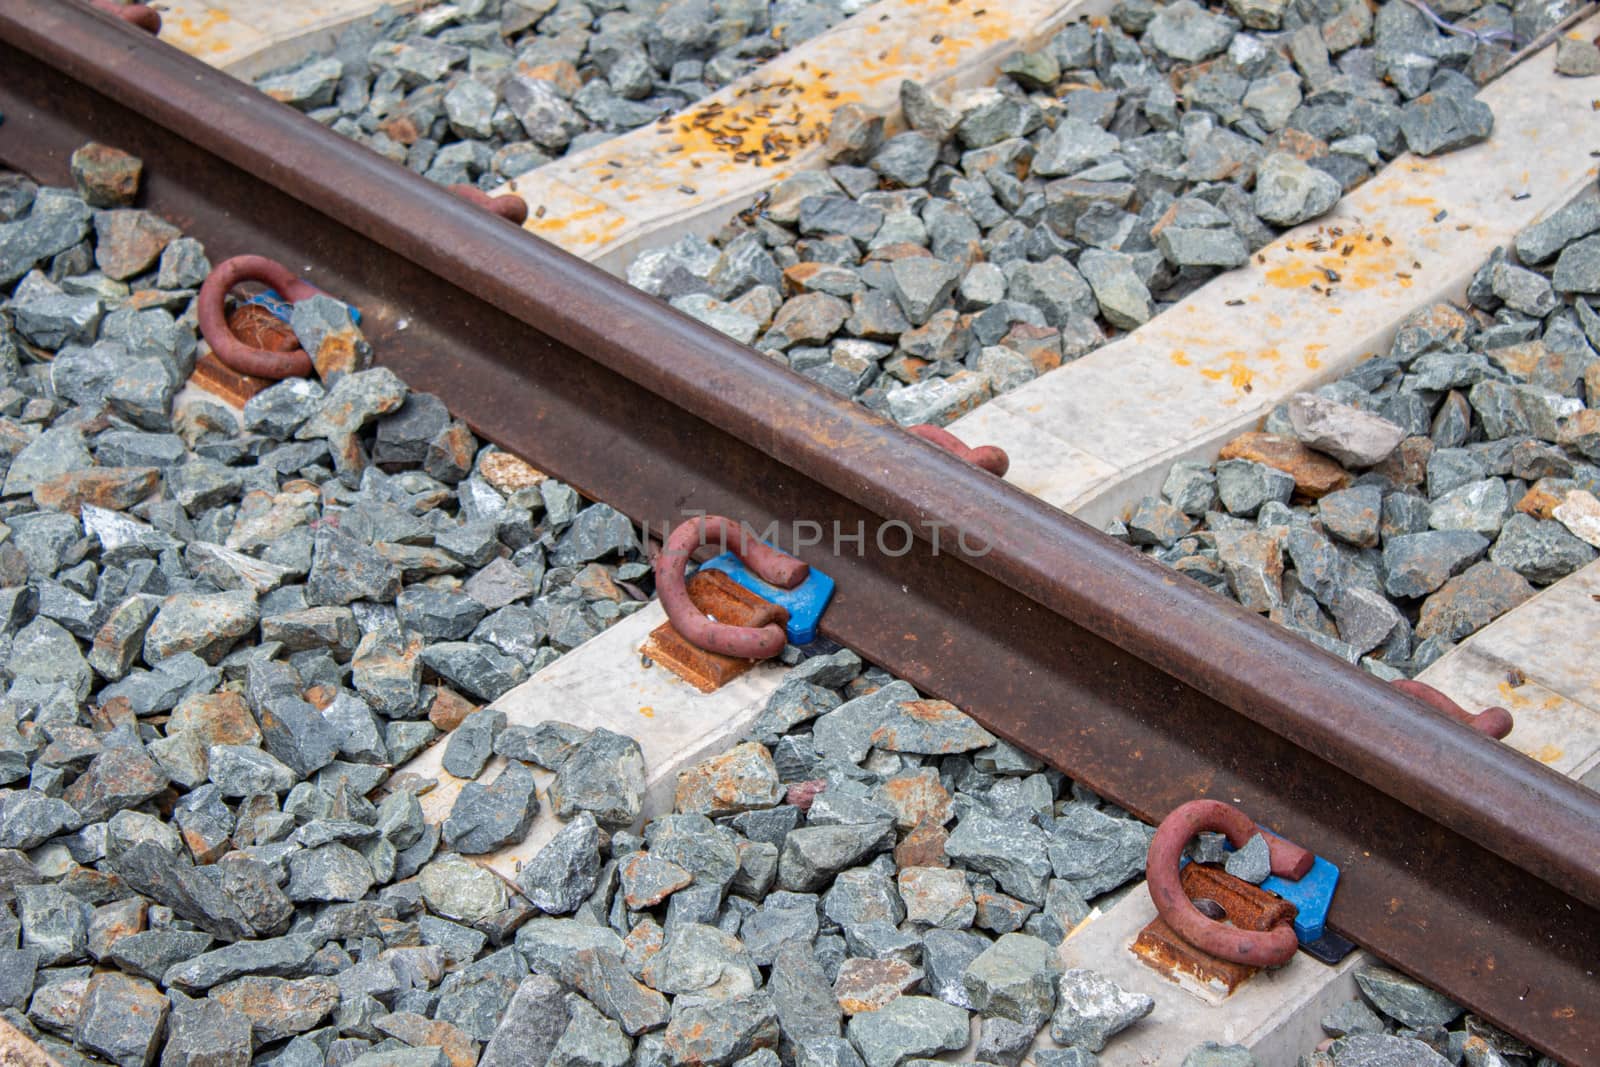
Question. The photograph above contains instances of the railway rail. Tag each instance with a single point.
(1467, 864)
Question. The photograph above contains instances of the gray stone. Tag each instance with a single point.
(812, 854)
(590, 1039)
(472, 742)
(1185, 31)
(204, 1033)
(599, 974)
(1415, 565)
(59, 220)
(1123, 297)
(533, 1024)
(243, 770)
(122, 1019)
(1074, 145)
(310, 85)
(1216, 1054)
(781, 919)
(1479, 505)
(1352, 1017)
(1289, 191)
(1540, 551)
(329, 873)
(1096, 852)
(1550, 235)
(1252, 863)
(564, 873)
(119, 777)
(1522, 290)
(906, 159)
(1350, 435)
(355, 400)
(1053, 286)
(1245, 486)
(546, 744)
(1014, 979)
(1092, 1009)
(297, 734)
(476, 669)
(345, 570)
(1438, 122)
(598, 531)
(29, 818)
(907, 1027)
(604, 775)
(1014, 853)
(489, 816)
(282, 956)
(922, 285)
(1003, 1042)
(1577, 269)
(801, 994)
(1195, 246)
(1383, 1050)
(459, 889)
(438, 614)
(54, 922)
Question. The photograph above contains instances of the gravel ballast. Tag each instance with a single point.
(1102, 178)
(1393, 513)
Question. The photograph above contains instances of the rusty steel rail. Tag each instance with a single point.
(1464, 862)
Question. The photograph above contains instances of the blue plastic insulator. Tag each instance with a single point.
(274, 302)
(805, 602)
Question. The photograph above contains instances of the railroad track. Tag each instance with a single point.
(1464, 863)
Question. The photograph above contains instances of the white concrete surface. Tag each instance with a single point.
(604, 683)
(1095, 435)
(1538, 662)
(651, 186)
(247, 38)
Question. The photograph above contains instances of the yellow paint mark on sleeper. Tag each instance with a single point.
(648, 712)
(1547, 753)
(1180, 358)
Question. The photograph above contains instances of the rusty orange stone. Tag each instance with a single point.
(1407, 465)
(321, 696)
(866, 985)
(917, 798)
(509, 473)
(118, 711)
(1297, 143)
(923, 847)
(418, 1031)
(1314, 474)
(401, 129)
(1041, 344)
(889, 253)
(560, 73)
(116, 488)
(455, 447)
(218, 718)
(1542, 499)
(448, 709)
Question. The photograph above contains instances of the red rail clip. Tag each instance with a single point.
(1492, 722)
(777, 568)
(991, 458)
(233, 352)
(1270, 948)
(511, 208)
(143, 16)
